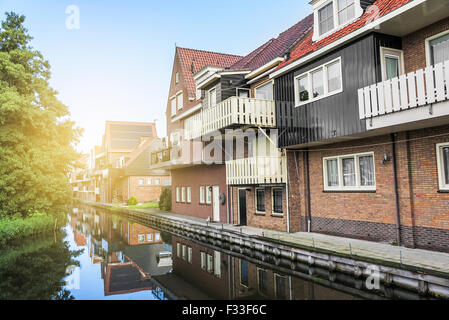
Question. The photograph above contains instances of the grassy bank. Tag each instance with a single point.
(18, 228)
(151, 205)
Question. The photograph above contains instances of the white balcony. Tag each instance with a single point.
(234, 111)
(403, 100)
(256, 170)
(97, 190)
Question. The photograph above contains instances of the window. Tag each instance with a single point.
(280, 286)
(265, 91)
(177, 77)
(244, 271)
(212, 97)
(201, 195)
(210, 263)
(392, 63)
(158, 236)
(184, 252)
(173, 107)
(438, 48)
(260, 200)
(189, 254)
(208, 195)
(321, 82)
(178, 249)
(141, 238)
(203, 260)
(178, 198)
(217, 264)
(277, 201)
(346, 11)
(349, 172)
(141, 181)
(180, 98)
(183, 194)
(157, 181)
(262, 281)
(443, 165)
(149, 181)
(326, 18)
(189, 194)
(150, 237)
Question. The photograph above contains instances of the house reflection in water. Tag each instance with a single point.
(203, 273)
(129, 254)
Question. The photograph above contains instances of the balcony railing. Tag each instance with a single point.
(419, 88)
(231, 112)
(256, 170)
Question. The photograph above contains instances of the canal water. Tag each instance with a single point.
(103, 256)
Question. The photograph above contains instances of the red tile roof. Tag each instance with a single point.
(200, 59)
(275, 47)
(308, 46)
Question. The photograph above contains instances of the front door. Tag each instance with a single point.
(216, 203)
(242, 207)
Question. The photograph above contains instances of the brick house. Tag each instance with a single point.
(362, 109)
(196, 187)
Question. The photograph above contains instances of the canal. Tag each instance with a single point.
(103, 256)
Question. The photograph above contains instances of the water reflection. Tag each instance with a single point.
(139, 262)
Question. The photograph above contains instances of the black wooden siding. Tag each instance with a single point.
(337, 115)
(226, 87)
(366, 3)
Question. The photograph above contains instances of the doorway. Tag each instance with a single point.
(242, 207)
(216, 202)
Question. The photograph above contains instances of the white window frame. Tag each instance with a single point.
(210, 263)
(149, 237)
(427, 43)
(394, 53)
(180, 100)
(177, 77)
(184, 252)
(149, 181)
(265, 204)
(189, 194)
(158, 236)
(141, 182)
(173, 106)
(262, 85)
(178, 196)
(203, 260)
(141, 238)
(189, 254)
(178, 249)
(309, 73)
(209, 99)
(358, 12)
(183, 194)
(440, 166)
(202, 195)
(208, 195)
(157, 181)
(340, 186)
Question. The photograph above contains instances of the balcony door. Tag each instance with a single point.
(392, 63)
(242, 207)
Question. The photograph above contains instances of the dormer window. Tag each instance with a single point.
(326, 18)
(331, 15)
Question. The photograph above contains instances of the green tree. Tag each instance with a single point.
(36, 136)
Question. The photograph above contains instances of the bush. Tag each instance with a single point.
(15, 228)
(165, 199)
(132, 201)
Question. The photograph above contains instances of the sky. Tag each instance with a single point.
(117, 65)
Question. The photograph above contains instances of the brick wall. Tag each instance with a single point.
(372, 215)
(195, 177)
(144, 193)
(414, 45)
(260, 220)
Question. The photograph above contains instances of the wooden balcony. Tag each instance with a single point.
(401, 100)
(256, 170)
(233, 112)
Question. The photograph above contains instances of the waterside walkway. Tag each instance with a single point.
(418, 258)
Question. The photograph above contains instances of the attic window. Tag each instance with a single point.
(346, 10)
(177, 77)
(326, 18)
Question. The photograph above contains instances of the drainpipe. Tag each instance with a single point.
(309, 213)
(287, 195)
(396, 193)
(227, 202)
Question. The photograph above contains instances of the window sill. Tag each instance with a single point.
(277, 215)
(350, 191)
(443, 191)
(260, 213)
(297, 105)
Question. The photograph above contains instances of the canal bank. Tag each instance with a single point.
(424, 272)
